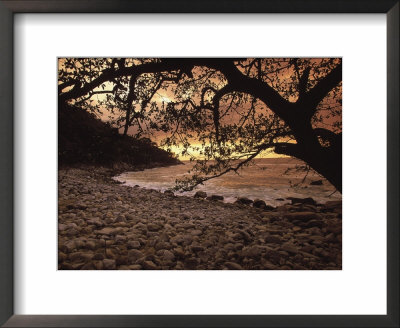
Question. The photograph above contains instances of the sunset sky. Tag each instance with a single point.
(164, 96)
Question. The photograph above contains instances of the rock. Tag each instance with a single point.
(280, 199)
(178, 252)
(129, 217)
(88, 266)
(95, 221)
(162, 245)
(109, 231)
(120, 239)
(252, 251)
(134, 255)
(153, 227)
(76, 207)
(245, 235)
(77, 266)
(61, 257)
(110, 253)
(233, 266)
(120, 218)
(273, 239)
(66, 266)
(185, 216)
(307, 200)
(316, 183)
(215, 197)
(109, 264)
(229, 247)
(149, 265)
(80, 257)
(302, 216)
(315, 223)
(191, 263)
(133, 244)
(290, 248)
(333, 204)
(270, 266)
(196, 232)
(109, 220)
(168, 255)
(244, 201)
(197, 248)
(122, 260)
(69, 246)
(98, 256)
(200, 194)
(62, 227)
(169, 192)
(135, 267)
(185, 239)
(72, 232)
(90, 244)
(259, 203)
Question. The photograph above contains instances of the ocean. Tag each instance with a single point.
(270, 179)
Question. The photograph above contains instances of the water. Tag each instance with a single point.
(268, 179)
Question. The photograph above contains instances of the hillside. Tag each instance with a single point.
(84, 139)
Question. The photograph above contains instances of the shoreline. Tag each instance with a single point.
(104, 224)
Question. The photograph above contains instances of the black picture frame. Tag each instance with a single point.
(10, 7)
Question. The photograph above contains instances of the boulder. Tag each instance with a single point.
(110, 231)
(273, 239)
(98, 256)
(191, 263)
(109, 264)
(233, 266)
(244, 201)
(168, 255)
(133, 244)
(120, 218)
(80, 257)
(215, 197)
(149, 265)
(252, 251)
(153, 227)
(197, 248)
(259, 203)
(290, 248)
(302, 216)
(307, 200)
(200, 194)
(134, 255)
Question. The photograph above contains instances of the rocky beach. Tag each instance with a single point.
(104, 225)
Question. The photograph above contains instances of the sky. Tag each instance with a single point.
(164, 96)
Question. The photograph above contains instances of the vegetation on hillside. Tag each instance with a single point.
(84, 139)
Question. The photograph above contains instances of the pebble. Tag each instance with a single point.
(149, 265)
(109, 264)
(233, 266)
(113, 226)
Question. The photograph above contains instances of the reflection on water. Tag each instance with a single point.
(268, 179)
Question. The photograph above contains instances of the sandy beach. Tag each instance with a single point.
(105, 225)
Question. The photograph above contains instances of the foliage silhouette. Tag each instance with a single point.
(222, 111)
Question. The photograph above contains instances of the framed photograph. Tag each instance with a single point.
(203, 164)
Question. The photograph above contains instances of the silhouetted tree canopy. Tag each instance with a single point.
(223, 111)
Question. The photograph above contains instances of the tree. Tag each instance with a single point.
(229, 110)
